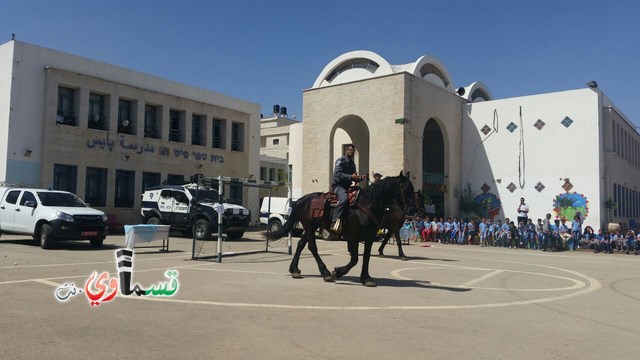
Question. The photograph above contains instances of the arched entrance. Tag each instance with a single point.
(433, 176)
(350, 129)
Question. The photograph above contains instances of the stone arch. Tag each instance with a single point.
(353, 66)
(350, 129)
(433, 71)
(435, 163)
(477, 92)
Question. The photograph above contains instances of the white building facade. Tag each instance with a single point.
(106, 133)
(564, 152)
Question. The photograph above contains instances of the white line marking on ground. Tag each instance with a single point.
(88, 263)
(482, 278)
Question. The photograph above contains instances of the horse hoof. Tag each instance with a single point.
(334, 275)
(369, 283)
(380, 254)
(404, 258)
(329, 278)
(296, 275)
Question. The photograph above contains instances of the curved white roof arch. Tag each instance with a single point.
(433, 71)
(353, 66)
(476, 92)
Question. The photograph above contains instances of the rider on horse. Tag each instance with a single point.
(343, 174)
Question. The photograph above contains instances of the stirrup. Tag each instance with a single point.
(337, 227)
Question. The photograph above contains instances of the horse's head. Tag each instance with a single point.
(406, 197)
(418, 196)
(395, 192)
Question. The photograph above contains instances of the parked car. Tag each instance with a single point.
(50, 215)
(176, 205)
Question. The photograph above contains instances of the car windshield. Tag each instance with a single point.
(205, 195)
(60, 199)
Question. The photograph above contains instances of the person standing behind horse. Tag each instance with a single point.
(344, 174)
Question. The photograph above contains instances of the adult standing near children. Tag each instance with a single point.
(344, 174)
(430, 209)
(523, 212)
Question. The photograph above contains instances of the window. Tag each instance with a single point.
(12, 197)
(235, 193)
(97, 118)
(197, 130)
(263, 173)
(150, 180)
(237, 137)
(27, 196)
(125, 181)
(218, 132)
(276, 141)
(151, 123)
(66, 114)
(272, 174)
(64, 177)
(173, 179)
(95, 190)
(281, 175)
(176, 128)
(125, 123)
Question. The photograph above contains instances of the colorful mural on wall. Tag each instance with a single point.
(488, 204)
(566, 205)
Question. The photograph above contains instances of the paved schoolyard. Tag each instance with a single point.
(446, 302)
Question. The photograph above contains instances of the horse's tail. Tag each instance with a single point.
(285, 228)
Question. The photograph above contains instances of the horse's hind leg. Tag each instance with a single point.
(313, 247)
(384, 242)
(399, 242)
(293, 267)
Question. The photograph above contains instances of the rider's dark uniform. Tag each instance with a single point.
(345, 167)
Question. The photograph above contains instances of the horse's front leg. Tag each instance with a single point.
(352, 246)
(366, 256)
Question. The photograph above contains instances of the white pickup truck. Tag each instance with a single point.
(49, 216)
(275, 211)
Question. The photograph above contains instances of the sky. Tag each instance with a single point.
(268, 52)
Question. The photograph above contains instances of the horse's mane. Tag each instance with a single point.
(385, 186)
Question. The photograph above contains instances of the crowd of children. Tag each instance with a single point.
(545, 235)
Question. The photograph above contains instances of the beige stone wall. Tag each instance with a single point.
(392, 147)
(80, 146)
(377, 102)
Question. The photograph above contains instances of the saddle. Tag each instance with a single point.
(330, 199)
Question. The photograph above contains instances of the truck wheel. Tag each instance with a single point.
(46, 236)
(154, 221)
(96, 243)
(235, 235)
(203, 230)
(275, 225)
(326, 235)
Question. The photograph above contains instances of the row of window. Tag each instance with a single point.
(98, 119)
(95, 190)
(627, 201)
(272, 174)
(626, 144)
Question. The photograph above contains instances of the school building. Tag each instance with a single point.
(106, 133)
(564, 152)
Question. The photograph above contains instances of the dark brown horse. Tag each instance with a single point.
(361, 223)
(393, 220)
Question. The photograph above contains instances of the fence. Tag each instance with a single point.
(250, 242)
